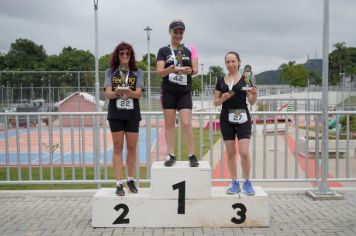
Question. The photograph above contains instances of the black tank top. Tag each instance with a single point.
(238, 101)
(122, 114)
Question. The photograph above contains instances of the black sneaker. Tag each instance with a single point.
(120, 190)
(132, 187)
(193, 161)
(171, 161)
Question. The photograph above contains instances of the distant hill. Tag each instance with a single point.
(272, 77)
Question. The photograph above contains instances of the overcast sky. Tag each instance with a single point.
(264, 33)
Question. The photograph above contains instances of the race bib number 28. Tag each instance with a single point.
(177, 79)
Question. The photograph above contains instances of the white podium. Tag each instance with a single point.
(180, 196)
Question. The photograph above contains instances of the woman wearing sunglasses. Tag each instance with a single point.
(175, 65)
(124, 86)
(231, 92)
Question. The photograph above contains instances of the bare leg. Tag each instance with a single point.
(185, 116)
(231, 157)
(169, 125)
(245, 157)
(131, 143)
(118, 142)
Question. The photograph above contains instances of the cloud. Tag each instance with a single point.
(265, 33)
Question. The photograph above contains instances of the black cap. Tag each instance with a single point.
(177, 25)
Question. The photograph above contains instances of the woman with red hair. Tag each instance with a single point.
(123, 87)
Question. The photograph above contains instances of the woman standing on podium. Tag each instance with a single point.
(231, 92)
(175, 65)
(124, 86)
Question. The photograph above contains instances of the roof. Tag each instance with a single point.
(87, 97)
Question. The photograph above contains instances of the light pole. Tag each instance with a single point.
(8, 94)
(97, 101)
(148, 31)
(323, 191)
(202, 77)
(210, 90)
(21, 93)
(149, 108)
(2, 95)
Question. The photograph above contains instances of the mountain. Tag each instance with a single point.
(272, 77)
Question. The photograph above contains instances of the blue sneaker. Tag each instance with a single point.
(247, 188)
(234, 187)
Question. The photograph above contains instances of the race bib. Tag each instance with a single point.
(177, 79)
(237, 116)
(126, 104)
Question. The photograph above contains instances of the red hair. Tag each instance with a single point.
(115, 61)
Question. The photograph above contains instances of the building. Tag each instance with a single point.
(79, 102)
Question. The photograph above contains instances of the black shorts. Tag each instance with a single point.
(177, 101)
(231, 131)
(124, 125)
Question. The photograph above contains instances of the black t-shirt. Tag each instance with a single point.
(238, 101)
(135, 80)
(165, 54)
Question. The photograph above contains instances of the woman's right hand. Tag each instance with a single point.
(225, 96)
(119, 92)
(171, 69)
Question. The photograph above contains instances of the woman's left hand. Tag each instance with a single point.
(188, 70)
(253, 91)
(127, 92)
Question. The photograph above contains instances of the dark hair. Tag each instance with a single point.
(115, 62)
(234, 53)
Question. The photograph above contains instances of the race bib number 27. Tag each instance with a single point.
(237, 116)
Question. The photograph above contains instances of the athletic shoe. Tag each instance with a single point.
(193, 161)
(234, 187)
(120, 190)
(247, 188)
(171, 160)
(132, 187)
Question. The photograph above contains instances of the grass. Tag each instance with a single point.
(90, 170)
(206, 143)
(57, 176)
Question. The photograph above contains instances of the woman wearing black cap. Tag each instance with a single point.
(176, 65)
(123, 86)
(231, 92)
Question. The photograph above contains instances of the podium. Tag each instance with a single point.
(180, 196)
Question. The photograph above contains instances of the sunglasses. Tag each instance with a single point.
(124, 53)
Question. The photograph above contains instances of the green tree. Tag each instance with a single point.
(2, 61)
(216, 71)
(70, 59)
(104, 62)
(295, 74)
(196, 83)
(341, 60)
(143, 63)
(337, 62)
(24, 54)
(314, 77)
